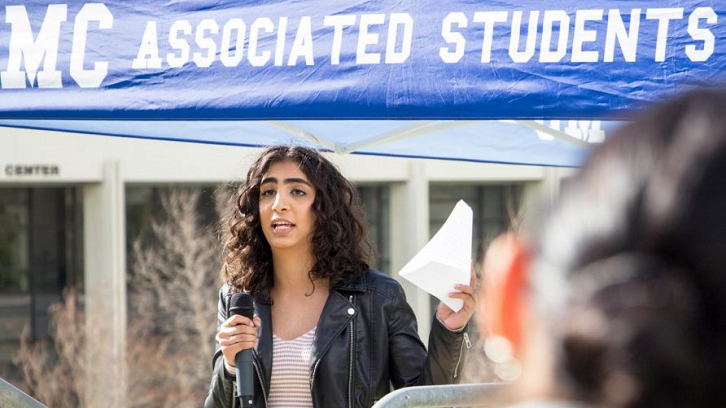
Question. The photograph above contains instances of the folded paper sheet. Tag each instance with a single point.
(446, 259)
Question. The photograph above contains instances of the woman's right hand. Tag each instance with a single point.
(236, 334)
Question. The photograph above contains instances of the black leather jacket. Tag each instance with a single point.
(366, 340)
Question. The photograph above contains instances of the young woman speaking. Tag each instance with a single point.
(328, 330)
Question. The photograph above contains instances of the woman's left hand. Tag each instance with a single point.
(457, 320)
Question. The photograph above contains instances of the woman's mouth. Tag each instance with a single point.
(282, 227)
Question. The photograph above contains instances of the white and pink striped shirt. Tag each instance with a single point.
(290, 384)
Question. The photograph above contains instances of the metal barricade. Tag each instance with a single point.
(460, 395)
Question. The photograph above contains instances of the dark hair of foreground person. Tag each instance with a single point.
(617, 295)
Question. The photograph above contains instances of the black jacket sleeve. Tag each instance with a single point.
(221, 389)
(410, 364)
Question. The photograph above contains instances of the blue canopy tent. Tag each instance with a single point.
(507, 81)
(475, 141)
(449, 68)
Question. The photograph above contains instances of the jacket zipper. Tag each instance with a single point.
(466, 341)
(352, 343)
(350, 375)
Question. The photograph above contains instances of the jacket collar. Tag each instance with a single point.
(337, 313)
(358, 284)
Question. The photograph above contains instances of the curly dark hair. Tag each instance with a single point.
(340, 241)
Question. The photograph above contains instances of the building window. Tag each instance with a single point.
(495, 207)
(41, 253)
(376, 200)
(143, 205)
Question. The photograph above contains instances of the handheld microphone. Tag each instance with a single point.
(241, 304)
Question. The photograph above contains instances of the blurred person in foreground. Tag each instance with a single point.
(617, 295)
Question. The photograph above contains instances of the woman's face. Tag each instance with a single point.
(286, 214)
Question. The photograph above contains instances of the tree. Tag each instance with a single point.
(172, 290)
(172, 287)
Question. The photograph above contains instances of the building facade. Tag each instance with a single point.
(70, 204)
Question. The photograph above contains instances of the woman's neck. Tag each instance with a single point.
(291, 271)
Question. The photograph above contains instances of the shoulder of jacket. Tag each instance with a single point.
(382, 283)
(224, 293)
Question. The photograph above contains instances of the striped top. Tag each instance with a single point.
(290, 383)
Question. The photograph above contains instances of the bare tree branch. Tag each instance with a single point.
(172, 289)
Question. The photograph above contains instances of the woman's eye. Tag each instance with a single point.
(298, 192)
(267, 193)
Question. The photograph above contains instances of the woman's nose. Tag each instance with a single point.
(280, 202)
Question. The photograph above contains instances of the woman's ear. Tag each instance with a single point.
(504, 280)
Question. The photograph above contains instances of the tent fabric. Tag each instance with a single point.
(377, 59)
(475, 141)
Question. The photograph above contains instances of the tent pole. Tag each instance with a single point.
(296, 131)
(415, 129)
(554, 133)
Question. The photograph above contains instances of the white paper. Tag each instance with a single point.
(446, 259)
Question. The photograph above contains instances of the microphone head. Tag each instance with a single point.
(242, 304)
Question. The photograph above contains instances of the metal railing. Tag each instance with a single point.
(460, 395)
(12, 397)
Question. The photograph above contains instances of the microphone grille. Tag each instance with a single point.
(241, 300)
